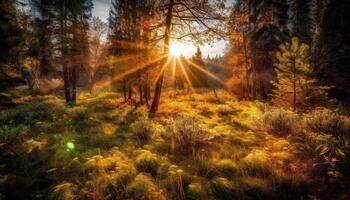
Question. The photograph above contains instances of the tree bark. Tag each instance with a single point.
(74, 84)
(158, 89)
(141, 94)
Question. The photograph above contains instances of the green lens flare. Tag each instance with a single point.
(70, 146)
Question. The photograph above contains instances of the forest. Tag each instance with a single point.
(174, 99)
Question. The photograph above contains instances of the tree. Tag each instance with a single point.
(301, 20)
(191, 19)
(332, 53)
(11, 41)
(129, 43)
(42, 49)
(69, 28)
(295, 85)
(270, 30)
(98, 29)
(257, 28)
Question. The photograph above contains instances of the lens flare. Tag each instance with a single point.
(70, 146)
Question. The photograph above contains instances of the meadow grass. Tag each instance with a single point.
(197, 147)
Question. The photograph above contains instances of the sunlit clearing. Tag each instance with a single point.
(70, 146)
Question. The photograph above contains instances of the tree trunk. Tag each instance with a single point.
(74, 84)
(129, 93)
(146, 94)
(158, 89)
(124, 91)
(254, 75)
(141, 95)
(246, 66)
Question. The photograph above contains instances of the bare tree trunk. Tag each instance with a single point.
(66, 82)
(129, 93)
(141, 95)
(124, 91)
(158, 89)
(74, 84)
(246, 66)
(254, 75)
(146, 94)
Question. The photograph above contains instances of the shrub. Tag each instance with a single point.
(224, 110)
(147, 162)
(257, 163)
(143, 129)
(65, 191)
(187, 135)
(10, 134)
(256, 188)
(221, 188)
(40, 109)
(177, 182)
(204, 166)
(280, 122)
(327, 121)
(143, 188)
(196, 191)
(226, 168)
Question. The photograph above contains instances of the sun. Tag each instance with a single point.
(177, 49)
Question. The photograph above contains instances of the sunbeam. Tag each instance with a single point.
(206, 72)
(185, 74)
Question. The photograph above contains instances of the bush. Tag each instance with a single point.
(327, 121)
(147, 162)
(257, 163)
(280, 122)
(226, 168)
(224, 110)
(10, 134)
(143, 188)
(143, 129)
(177, 182)
(187, 135)
(221, 188)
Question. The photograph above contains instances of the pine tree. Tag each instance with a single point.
(332, 52)
(270, 18)
(11, 42)
(301, 20)
(295, 85)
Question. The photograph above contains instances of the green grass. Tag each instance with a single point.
(195, 148)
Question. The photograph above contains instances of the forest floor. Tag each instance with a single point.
(197, 147)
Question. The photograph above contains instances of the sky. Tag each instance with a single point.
(101, 9)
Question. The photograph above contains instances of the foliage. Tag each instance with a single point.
(143, 129)
(295, 85)
(187, 135)
(280, 122)
(327, 121)
(143, 188)
(147, 162)
(223, 189)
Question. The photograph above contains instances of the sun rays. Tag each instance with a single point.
(127, 65)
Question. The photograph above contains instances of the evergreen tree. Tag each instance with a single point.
(332, 52)
(295, 85)
(11, 42)
(270, 18)
(197, 77)
(301, 20)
